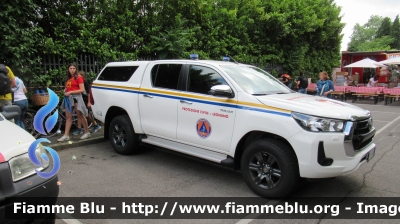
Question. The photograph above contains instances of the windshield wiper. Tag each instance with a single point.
(286, 92)
(259, 94)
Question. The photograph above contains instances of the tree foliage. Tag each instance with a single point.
(20, 36)
(384, 29)
(395, 31)
(364, 33)
(377, 34)
(378, 44)
(302, 35)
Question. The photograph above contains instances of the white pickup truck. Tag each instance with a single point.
(234, 114)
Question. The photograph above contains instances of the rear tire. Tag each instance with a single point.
(122, 136)
(270, 168)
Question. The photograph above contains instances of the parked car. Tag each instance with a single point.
(18, 178)
(234, 114)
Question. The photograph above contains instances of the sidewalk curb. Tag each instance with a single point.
(67, 145)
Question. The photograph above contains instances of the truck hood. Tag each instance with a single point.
(313, 105)
(14, 140)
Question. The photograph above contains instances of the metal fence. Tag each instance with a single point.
(57, 65)
(90, 64)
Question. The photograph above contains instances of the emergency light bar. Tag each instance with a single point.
(194, 56)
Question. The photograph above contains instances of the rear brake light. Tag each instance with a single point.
(91, 97)
(2, 159)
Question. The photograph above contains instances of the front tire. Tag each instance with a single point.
(270, 169)
(123, 138)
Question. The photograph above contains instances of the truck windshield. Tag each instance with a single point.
(255, 81)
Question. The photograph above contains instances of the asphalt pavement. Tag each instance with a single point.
(96, 170)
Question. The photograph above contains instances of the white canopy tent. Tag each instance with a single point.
(365, 63)
(391, 61)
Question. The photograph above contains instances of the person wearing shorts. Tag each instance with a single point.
(74, 88)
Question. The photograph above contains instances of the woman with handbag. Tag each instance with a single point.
(325, 87)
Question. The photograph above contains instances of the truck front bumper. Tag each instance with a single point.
(308, 147)
(45, 190)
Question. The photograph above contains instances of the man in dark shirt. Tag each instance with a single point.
(302, 83)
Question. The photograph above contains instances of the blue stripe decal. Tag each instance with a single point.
(198, 101)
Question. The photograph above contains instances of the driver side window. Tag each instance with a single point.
(201, 79)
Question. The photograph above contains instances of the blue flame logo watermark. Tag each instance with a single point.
(49, 125)
(44, 111)
(35, 160)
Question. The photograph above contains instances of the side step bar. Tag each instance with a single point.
(190, 150)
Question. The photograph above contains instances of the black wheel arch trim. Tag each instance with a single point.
(112, 112)
(250, 137)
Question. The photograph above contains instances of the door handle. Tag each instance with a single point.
(148, 96)
(184, 101)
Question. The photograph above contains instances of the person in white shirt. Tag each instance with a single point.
(373, 81)
(20, 100)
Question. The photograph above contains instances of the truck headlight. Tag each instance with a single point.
(22, 167)
(318, 124)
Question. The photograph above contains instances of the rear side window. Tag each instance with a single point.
(166, 75)
(117, 74)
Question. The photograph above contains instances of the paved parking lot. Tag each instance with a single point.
(99, 171)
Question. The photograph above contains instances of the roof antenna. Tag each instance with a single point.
(233, 59)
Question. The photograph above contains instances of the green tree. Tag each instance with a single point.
(20, 38)
(395, 33)
(378, 44)
(61, 22)
(384, 29)
(174, 42)
(364, 33)
(110, 32)
(300, 35)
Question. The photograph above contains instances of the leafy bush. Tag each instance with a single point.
(301, 35)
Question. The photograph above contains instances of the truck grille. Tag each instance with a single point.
(362, 127)
(363, 134)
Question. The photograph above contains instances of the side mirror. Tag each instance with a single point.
(11, 112)
(222, 90)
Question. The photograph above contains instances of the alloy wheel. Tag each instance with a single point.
(119, 136)
(265, 170)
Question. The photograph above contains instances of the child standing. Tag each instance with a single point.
(73, 100)
(86, 97)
